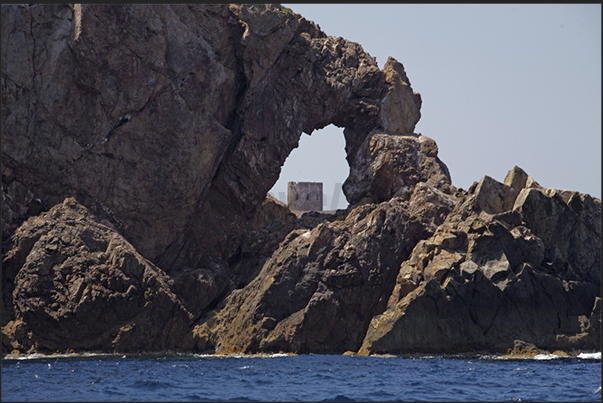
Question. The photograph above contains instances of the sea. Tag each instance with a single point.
(306, 377)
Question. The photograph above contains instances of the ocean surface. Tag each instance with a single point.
(300, 378)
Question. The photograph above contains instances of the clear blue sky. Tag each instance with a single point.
(502, 85)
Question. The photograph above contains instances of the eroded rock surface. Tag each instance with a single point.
(78, 285)
(170, 122)
(318, 289)
(184, 110)
(390, 166)
(509, 263)
(138, 146)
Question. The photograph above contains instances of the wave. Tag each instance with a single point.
(590, 356)
(280, 355)
(241, 355)
(546, 356)
(339, 398)
(39, 356)
(537, 357)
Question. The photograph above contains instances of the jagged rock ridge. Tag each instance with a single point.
(134, 196)
(514, 261)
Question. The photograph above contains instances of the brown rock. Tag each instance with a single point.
(174, 120)
(169, 124)
(79, 285)
(533, 278)
(494, 197)
(323, 284)
(270, 210)
(401, 107)
(185, 109)
(389, 166)
(125, 109)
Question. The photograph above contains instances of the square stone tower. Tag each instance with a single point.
(304, 196)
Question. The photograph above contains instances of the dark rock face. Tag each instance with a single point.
(138, 145)
(318, 290)
(184, 109)
(126, 110)
(78, 285)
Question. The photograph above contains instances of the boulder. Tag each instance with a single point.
(389, 166)
(80, 286)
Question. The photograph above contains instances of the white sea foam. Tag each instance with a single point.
(204, 355)
(545, 356)
(240, 355)
(395, 356)
(590, 356)
(38, 356)
(489, 357)
(279, 355)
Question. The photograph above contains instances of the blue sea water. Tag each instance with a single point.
(299, 378)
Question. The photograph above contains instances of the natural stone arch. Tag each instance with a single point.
(190, 128)
(319, 157)
(232, 90)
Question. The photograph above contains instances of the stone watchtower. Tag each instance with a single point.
(304, 196)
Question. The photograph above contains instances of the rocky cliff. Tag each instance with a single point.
(138, 146)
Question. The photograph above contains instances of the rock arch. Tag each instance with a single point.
(319, 157)
(187, 113)
(207, 99)
(171, 128)
(312, 81)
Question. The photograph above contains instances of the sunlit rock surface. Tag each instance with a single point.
(138, 146)
(509, 263)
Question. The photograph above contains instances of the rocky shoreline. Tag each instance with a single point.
(138, 146)
(514, 354)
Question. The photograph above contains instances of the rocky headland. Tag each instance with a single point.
(138, 146)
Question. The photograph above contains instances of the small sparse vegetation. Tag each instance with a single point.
(286, 10)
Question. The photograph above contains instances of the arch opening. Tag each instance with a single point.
(319, 157)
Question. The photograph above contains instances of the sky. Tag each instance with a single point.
(502, 85)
